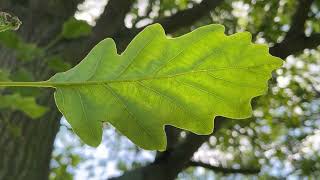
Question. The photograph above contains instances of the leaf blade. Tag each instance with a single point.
(185, 82)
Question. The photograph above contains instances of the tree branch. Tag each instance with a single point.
(173, 138)
(110, 23)
(188, 17)
(147, 13)
(224, 170)
(294, 45)
(183, 18)
(316, 91)
(168, 166)
(295, 40)
(112, 19)
(299, 18)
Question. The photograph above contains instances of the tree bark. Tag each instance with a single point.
(26, 144)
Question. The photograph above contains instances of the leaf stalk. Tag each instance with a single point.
(40, 84)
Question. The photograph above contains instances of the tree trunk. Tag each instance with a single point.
(26, 144)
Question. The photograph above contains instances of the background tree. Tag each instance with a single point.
(280, 135)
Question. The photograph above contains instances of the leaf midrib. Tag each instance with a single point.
(101, 82)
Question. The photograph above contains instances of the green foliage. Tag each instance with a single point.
(167, 4)
(8, 22)
(56, 63)
(27, 105)
(20, 99)
(4, 75)
(62, 165)
(10, 39)
(184, 82)
(74, 28)
(25, 51)
(28, 51)
(23, 75)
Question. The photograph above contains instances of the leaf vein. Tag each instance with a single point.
(153, 78)
(125, 106)
(172, 101)
(177, 55)
(83, 109)
(134, 57)
(234, 83)
(95, 69)
(205, 91)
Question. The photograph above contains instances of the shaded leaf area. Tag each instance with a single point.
(21, 99)
(25, 52)
(74, 28)
(27, 105)
(185, 82)
(28, 52)
(4, 75)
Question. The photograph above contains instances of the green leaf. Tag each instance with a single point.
(8, 22)
(4, 75)
(184, 82)
(74, 28)
(56, 63)
(27, 105)
(10, 39)
(29, 51)
(23, 74)
(25, 51)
